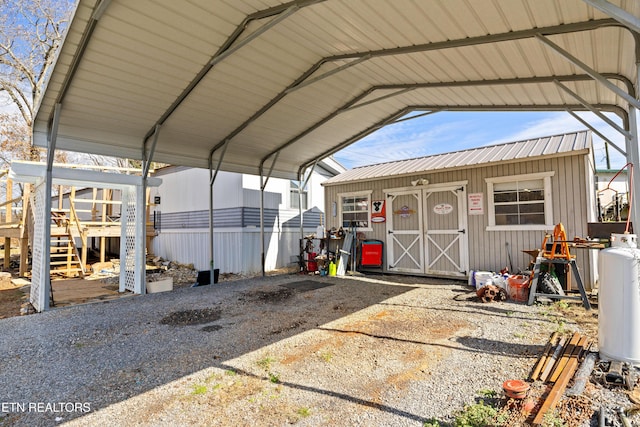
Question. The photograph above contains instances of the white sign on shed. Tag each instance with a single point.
(476, 204)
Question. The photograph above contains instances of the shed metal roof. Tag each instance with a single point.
(575, 143)
(306, 78)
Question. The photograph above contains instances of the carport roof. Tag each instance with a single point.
(287, 83)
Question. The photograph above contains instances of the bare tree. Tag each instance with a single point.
(31, 32)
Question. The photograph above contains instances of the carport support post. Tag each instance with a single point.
(140, 267)
(45, 272)
(263, 184)
(634, 158)
(212, 179)
(302, 184)
(140, 224)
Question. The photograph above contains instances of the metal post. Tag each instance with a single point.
(300, 211)
(147, 159)
(140, 270)
(45, 279)
(633, 156)
(211, 250)
(212, 179)
(263, 184)
(302, 184)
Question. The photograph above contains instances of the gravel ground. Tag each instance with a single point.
(289, 349)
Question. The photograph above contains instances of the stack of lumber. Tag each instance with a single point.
(556, 366)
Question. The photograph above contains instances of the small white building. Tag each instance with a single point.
(613, 194)
(181, 217)
(477, 209)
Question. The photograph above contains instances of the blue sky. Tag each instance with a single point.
(453, 131)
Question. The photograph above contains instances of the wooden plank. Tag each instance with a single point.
(551, 361)
(543, 357)
(562, 361)
(560, 385)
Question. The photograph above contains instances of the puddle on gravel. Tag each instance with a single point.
(191, 317)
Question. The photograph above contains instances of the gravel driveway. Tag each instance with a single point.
(374, 351)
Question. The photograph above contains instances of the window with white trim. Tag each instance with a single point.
(355, 209)
(294, 196)
(520, 201)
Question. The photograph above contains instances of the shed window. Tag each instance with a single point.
(520, 202)
(355, 210)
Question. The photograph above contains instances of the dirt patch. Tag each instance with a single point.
(269, 296)
(575, 312)
(289, 327)
(192, 317)
(10, 301)
(307, 285)
(211, 328)
(79, 291)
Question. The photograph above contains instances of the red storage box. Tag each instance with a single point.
(371, 253)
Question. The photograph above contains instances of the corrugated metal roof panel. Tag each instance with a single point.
(142, 56)
(567, 144)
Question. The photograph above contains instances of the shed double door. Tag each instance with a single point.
(426, 231)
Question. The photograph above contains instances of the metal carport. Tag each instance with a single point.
(269, 87)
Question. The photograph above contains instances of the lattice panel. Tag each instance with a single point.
(128, 259)
(38, 288)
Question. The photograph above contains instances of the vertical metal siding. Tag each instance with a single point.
(234, 251)
(488, 249)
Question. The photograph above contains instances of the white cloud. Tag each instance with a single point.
(560, 123)
(404, 140)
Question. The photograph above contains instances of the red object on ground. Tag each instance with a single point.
(371, 253)
(312, 264)
(515, 389)
(518, 288)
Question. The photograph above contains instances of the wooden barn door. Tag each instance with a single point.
(445, 225)
(404, 231)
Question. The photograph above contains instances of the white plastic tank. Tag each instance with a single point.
(619, 300)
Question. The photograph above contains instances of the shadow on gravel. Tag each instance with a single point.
(107, 353)
(346, 397)
(492, 311)
(502, 348)
(476, 345)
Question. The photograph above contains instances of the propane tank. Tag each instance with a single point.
(619, 300)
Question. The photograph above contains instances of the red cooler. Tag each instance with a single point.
(371, 253)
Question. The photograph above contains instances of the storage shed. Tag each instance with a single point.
(476, 209)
